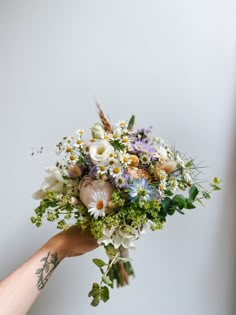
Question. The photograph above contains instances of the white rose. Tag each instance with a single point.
(100, 151)
(98, 131)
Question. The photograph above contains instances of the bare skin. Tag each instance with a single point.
(19, 290)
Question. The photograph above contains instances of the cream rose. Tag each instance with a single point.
(100, 151)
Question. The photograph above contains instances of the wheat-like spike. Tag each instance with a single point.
(105, 122)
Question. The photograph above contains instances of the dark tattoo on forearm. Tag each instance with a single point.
(50, 263)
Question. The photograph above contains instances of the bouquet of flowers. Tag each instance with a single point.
(117, 184)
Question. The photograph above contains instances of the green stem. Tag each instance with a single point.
(110, 265)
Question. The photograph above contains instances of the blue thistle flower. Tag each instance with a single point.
(141, 190)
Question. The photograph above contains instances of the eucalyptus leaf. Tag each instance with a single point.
(193, 192)
(107, 281)
(95, 301)
(105, 294)
(131, 123)
(180, 201)
(94, 292)
(100, 263)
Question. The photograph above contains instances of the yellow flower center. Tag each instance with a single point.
(78, 141)
(72, 157)
(116, 170)
(100, 151)
(68, 149)
(161, 187)
(100, 205)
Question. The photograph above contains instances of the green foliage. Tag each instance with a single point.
(131, 123)
(117, 199)
(99, 262)
(96, 228)
(193, 192)
(215, 183)
(99, 293)
(107, 281)
(117, 145)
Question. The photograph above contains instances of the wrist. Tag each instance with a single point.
(57, 245)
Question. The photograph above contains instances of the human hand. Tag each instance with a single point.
(74, 242)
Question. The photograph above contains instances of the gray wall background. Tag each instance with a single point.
(172, 63)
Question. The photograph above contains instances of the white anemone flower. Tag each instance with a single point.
(98, 205)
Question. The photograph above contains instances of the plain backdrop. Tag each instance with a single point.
(172, 63)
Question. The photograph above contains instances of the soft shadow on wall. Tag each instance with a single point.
(231, 208)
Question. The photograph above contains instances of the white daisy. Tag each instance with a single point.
(115, 136)
(121, 124)
(125, 140)
(119, 180)
(124, 159)
(116, 170)
(98, 205)
(145, 159)
(80, 132)
(102, 169)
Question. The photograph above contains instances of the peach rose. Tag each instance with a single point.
(89, 186)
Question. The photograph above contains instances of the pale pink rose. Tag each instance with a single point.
(89, 186)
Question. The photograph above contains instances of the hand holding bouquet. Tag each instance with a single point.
(116, 185)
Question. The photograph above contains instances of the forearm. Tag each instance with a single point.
(20, 289)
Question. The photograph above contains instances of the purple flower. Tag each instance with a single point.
(142, 147)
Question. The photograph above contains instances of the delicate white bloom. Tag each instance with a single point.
(162, 187)
(162, 153)
(116, 170)
(107, 237)
(97, 131)
(102, 169)
(116, 134)
(180, 161)
(97, 207)
(187, 178)
(145, 159)
(100, 151)
(111, 160)
(53, 182)
(125, 140)
(125, 239)
(162, 175)
(121, 124)
(124, 159)
(119, 180)
(80, 132)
